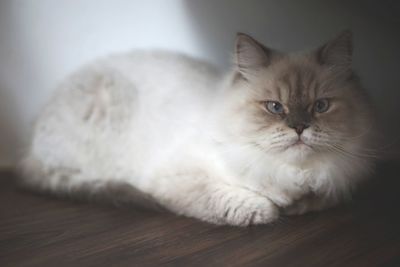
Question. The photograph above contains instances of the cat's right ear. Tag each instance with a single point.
(250, 55)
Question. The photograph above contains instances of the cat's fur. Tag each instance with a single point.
(203, 144)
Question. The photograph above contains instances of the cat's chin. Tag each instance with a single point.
(298, 151)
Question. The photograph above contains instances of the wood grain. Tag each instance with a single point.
(39, 230)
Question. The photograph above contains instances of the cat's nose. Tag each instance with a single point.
(299, 128)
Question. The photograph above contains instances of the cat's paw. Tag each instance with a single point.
(297, 208)
(308, 204)
(250, 212)
(244, 208)
(280, 198)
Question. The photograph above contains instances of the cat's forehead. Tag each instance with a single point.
(297, 84)
(293, 83)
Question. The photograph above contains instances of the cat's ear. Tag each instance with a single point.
(250, 55)
(337, 52)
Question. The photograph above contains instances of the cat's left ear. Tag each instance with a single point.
(337, 52)
(250, 55)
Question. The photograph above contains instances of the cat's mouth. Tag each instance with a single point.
(299, 143)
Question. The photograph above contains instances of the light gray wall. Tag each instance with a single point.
(41, 41)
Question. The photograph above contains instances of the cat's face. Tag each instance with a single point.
(301, 105)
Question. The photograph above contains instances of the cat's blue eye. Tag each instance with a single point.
(321, 105)
(274, 107)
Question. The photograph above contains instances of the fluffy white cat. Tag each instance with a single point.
(279, 133)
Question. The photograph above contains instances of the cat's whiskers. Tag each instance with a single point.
(338, 140)
(333, 145)
(331, 132)
(358, 153)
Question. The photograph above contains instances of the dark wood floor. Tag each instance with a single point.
(37, 230)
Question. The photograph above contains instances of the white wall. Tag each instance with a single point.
(43, 40)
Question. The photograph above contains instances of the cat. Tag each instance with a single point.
(280, 133)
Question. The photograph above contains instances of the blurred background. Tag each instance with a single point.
(42, 41)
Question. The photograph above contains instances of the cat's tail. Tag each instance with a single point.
(32, 175)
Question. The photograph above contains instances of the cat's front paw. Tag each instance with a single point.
(307, 204)
(247, 208)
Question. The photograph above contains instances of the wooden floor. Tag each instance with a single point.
(37, 230)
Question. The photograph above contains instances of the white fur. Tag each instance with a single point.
(163, 123)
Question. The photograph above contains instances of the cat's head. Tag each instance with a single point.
(299, 105)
